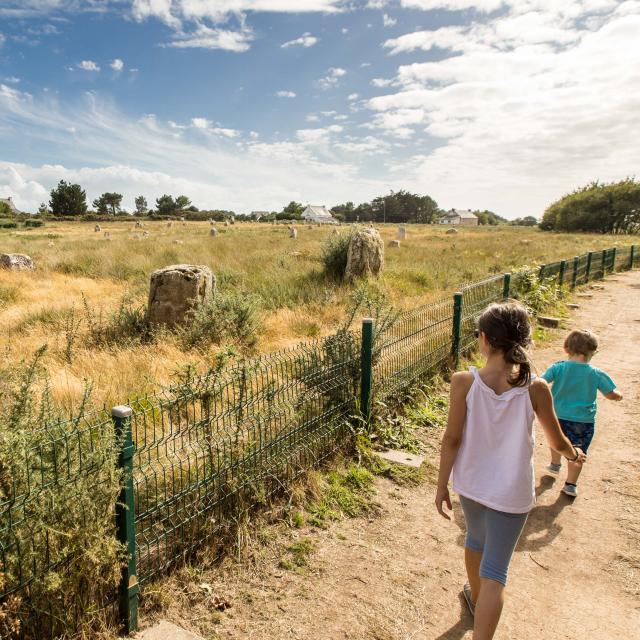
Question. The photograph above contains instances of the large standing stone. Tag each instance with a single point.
(402, 233)
(213, 231)
(177, 291)
(365, 255)
(16, 262)
(293, 232)
(97, 228)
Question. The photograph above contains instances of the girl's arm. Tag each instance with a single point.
(542, 402)
(460, 384)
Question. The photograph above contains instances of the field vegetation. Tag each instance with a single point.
(87, 299)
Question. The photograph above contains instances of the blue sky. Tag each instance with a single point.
(247, 104)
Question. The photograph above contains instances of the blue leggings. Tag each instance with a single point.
(494, 534)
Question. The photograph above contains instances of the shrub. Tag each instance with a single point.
(229, 316)
(8, 225)
(537, 295)
(126, 325)
(32, 223)
(58, 485)
(334, 255)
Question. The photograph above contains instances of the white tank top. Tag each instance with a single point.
(494, 465)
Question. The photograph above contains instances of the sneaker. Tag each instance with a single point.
(466, 592)
(554, 468)
(570, 490)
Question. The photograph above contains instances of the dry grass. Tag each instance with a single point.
(297, 301)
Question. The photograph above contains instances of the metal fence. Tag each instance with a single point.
(199, 454)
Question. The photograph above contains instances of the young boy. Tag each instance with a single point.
(575, 385)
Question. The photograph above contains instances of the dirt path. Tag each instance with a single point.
(576, 571)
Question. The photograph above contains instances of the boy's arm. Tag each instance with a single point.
(607, 387)
(549, 374)
(613, 395)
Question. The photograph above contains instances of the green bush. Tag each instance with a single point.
(536, 294)
(334, 255)
(228, 317)
(8, 225)
(58, 486)
(125, 326)
(32, 223)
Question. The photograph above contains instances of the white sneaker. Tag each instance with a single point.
(570, 490)
(554, 468)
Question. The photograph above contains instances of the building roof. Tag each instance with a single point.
(9, 201)
(317, 211)
(460, 213)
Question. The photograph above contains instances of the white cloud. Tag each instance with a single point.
(319, 135)
(455, 5)
(117, 64)
(344, 30)
(381, 82)
(286, 94)
(206, 125)
(204, 37)
(529, 105)
(312, 117)
(88, 65)
(353, 96)
(305, 40)
(388, 21)
(12, 79)
(332, 78)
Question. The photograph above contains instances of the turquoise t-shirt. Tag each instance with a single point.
(575, 387)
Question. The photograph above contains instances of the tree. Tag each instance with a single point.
(108, 203)
(68, 200)
(344, 211)
(141, 205)
(43, 210)
(527, 221)
(489, 217)
(293, 211)
(165, 204)
(182, 202)
(403, 206)
(597, 207)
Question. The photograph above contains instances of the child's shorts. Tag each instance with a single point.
(580, 434)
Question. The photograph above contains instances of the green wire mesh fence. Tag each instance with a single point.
(207, 450)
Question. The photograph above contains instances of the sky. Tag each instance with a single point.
(246, 105)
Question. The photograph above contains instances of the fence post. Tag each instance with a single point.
(125, 519)
(615, 255)
(604, 264)
(563, 269)
(589, 261)
(574, 276)
(632, 256)
(457, 328)
(506, 286)
(366, 362)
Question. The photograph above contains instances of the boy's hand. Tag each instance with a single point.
(442, 495)
(582, 456)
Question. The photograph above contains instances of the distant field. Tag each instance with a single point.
(284, 274)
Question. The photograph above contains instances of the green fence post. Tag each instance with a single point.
(563, 270)
(574, 276)
(615, 255)
(632, 256)
(589, 261)
(125, 522)
(506, 286)
(604, 264)
(366, 361)
(457, 328)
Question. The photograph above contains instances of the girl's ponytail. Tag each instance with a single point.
(507, 328)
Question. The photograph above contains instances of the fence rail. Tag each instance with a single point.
(194, 457)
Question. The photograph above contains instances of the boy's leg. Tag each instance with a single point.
(581, 436)
(488, 609)
(574, 472)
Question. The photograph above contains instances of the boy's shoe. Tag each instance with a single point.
(570, 490)
(466, 592)
(554, 468)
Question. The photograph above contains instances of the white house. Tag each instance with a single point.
(461, 217)
(9, 202)
(318, 215)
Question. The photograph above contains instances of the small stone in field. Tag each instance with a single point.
(169, 224)
(452, 231)
(295, 254)
(97, 228)
(402, 233)
(585, 295)
(107, 235)
(139, 224)
(548, 322)
(394, 243)
(178, 242)
(293, 232)
(226, 223)
(572, 306)
(213, 232)
(16, 262)
(50, 244)
(598, 287)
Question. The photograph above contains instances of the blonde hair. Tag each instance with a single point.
(581, 342)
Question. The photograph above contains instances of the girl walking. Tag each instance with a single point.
(487, 449)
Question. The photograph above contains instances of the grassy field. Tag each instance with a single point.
(82, 277)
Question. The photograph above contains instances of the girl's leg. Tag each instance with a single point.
(556, 458)
(488, 609)
(472, 561)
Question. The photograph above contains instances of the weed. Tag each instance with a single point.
(298, 554)
(334, 255)
(8, 294)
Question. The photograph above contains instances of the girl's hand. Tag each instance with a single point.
(442, 495)
(582, 456)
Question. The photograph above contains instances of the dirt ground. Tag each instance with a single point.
(398, 576)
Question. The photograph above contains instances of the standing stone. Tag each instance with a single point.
(394, 243)
(16, 262)
(365, 255)
(335, 232)
(181, 218)
(452, 231)
(145, 234)
(213, 232)
(177, 291)
(232, 220)
(169, 224)
(97, 228)
(107, 235)
(402, 233)
(226, 223)
(293, 232)
(139, 224)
